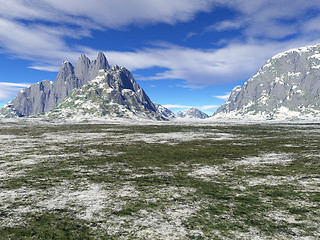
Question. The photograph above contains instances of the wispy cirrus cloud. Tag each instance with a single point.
(34, 42)
(209, 107)
(39, 31)
(202, 67)
(176, 106)
(224, 26)
(223, 97)
(205, 107)
(102, 13)
(269, 19)
(9, 90)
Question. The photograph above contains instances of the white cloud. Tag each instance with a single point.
(8, 84)
(225, 25)
(209, 107)
(22, 35)
(117, 13)
(46, 46)
(205, 107)
(223, 97)
(10, 90)
(35, 42)
(190, 35)
(268, 19)
(198, 67)
(104, 13)
(176, 106)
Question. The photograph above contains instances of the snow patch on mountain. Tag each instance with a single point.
(112, 94)
(43, 96)
(287, 87)
(163, 111)
(192, 113)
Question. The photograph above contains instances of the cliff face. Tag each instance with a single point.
(286, 87)
(44, 96)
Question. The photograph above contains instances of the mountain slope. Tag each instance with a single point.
(163, 111)
(113, 93)
(44, 96)
(192, 113)
(286, 87)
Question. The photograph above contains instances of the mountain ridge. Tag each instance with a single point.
(287, 86)
(43, 96)
(113, 93)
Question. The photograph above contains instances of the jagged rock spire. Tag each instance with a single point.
(44, 96)
(87, 70)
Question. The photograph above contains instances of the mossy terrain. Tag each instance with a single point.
(159, 181)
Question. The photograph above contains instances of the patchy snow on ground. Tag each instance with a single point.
(207, 173)
(265, 159)
(151, 201)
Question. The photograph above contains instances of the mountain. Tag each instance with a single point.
(46, 95)
(286, 87)
(165, 112)
(112, 94)
(192, 113)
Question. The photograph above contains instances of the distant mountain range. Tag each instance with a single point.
(286, 87)
(90, 89)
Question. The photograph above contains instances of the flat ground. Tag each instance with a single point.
(111, 181)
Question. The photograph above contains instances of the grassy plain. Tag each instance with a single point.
(159, 181)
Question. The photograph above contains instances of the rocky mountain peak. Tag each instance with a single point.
(163, 111)
(66, 69)
(192, 113)
(286, 87)
(43, 97)
(102, 62)
(87, 70)
(113, 93)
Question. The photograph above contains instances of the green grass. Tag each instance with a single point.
(48, 226)
(161, 182)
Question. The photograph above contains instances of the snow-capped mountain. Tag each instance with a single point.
(165, 112)
(46, 95)
(192, 113)
(112, 94)
(286, 87)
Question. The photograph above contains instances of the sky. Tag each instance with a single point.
(183, 53)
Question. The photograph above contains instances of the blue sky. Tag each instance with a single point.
(183, 53)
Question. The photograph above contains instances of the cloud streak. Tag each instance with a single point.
(10, 90)
(39, 31)
(224, 97)
(237, 61)
(177, 106)
(99, 14)
(268, 19)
